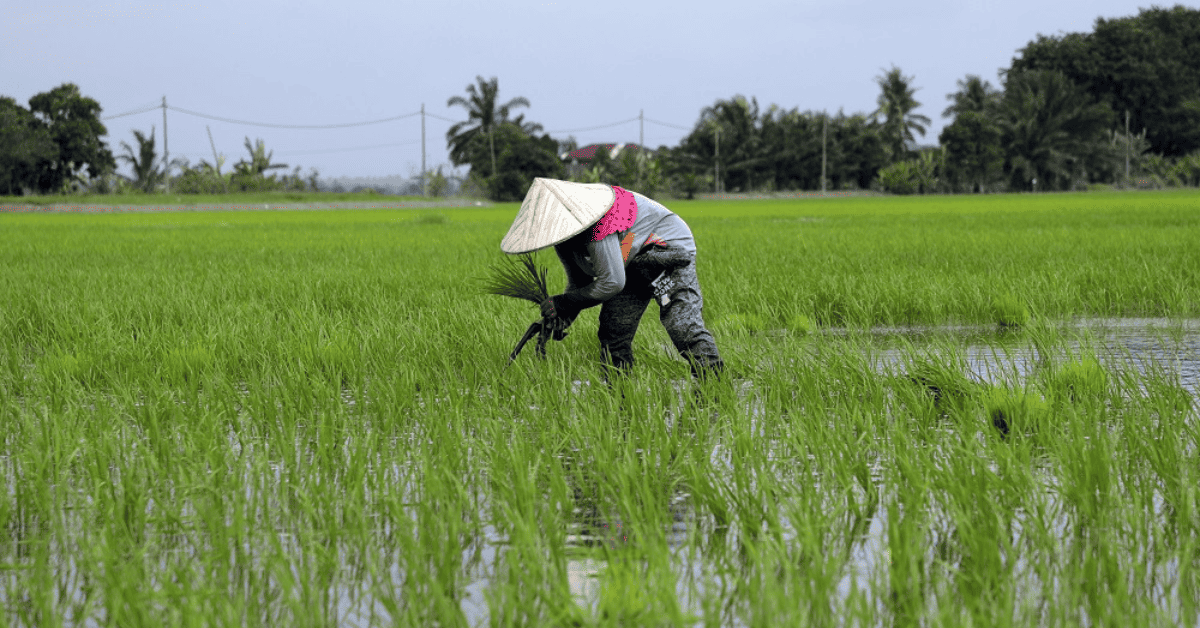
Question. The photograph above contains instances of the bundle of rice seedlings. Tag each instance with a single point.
(519, 279)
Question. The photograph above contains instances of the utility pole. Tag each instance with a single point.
(216, 160)
(166, 154)
(641, 145)
(717, 161)
(424, 187)
(824, 133)
(1128, 148)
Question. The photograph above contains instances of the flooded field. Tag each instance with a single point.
(304, 418)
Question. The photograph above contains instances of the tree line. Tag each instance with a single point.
(1117, 106)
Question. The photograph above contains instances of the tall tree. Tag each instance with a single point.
(974, 156)
(857, 150)
(522, 158)
(792, 142)
(1144, 64)
(734, 124)
(26, 148)
(1049, 128)
(974, 95)
(741, 139)
(483, 117)
(146, 173)
(74, 124)
(896, 105)
(260, 160)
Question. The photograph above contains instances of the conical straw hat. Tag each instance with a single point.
(553, 211)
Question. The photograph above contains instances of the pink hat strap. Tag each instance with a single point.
(619, 217)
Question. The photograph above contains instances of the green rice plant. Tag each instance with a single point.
(943, 381)
(186, 364)
(1015, 413)
(1077, 380)
(1010, 311)
(519, 279)
(347, 457)
(741, 324)
(801, 325)
(432, 219)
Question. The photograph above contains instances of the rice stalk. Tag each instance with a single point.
(521, 279)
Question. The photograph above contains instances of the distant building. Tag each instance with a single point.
(581, 158)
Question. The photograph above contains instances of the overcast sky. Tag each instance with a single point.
(580, 64)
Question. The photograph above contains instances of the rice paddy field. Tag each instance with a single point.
(939, 411)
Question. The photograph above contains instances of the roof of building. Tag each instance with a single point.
(586, 153)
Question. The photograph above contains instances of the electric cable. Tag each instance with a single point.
(292, 126)
(130, 113)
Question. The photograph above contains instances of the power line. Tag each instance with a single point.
(294, 126)
(434, 115)
(131, 113)
(365, 123)
(602, 126)
(666, 124)
(348, 149)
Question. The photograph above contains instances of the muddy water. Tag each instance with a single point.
(1143, 343)
(992, 356)
(1147, 345)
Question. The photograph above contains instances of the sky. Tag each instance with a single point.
(580, 64)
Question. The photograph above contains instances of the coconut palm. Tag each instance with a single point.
(972, 140)
(728, 139)
(1049, 128)
(483, 116)
(975, 95)
(896, 105)
(145, 171)
(260, 160)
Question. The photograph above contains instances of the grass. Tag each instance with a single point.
(303, 418)
(238, 198)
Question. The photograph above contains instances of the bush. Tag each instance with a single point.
(914, 176)
(437, 185)
(899, 178)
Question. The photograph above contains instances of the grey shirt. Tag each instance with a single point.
(596, 270)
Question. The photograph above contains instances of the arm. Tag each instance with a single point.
(584, 291)
(609, 267)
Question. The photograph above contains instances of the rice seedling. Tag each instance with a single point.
(283, 418)
(1010, 311)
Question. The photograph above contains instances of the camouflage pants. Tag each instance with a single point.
(681, 317)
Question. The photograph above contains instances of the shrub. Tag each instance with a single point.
(899, 178)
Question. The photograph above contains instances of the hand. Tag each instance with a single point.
(548, 310)
(558, 315)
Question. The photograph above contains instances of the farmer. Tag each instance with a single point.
(613, 244)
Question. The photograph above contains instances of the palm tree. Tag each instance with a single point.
(145, 173)
(974, 95)
(1049, 127)
(972, 140)
(729, 137)
(896, 104)
(260, 160)
(483, 116)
